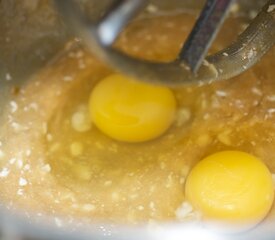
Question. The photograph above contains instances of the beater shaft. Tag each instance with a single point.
(204, 32)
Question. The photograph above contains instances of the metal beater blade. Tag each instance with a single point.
(204, 32)
(191, 67)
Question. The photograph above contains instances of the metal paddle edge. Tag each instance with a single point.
(250, 46)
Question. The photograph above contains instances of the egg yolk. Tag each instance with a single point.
(231, 187)
(131, 111)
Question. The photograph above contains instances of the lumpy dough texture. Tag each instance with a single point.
(231, 186)
(131, 111)
(55, 161)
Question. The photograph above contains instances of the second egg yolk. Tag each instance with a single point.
(131, 111)
(232, 187)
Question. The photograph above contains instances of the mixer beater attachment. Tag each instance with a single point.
(192, 65)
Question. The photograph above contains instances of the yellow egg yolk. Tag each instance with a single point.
(131, 111)
(231, 187)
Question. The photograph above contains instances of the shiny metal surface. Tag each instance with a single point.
(251, 45)
(40, 39)
(116, 18)
(204, 33)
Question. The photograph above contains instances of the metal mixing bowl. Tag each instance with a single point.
(31, 34)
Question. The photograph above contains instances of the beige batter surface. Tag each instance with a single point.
(53, 161)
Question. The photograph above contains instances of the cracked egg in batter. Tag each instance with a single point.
(56, 158)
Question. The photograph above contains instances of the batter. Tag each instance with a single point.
(55, 161)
